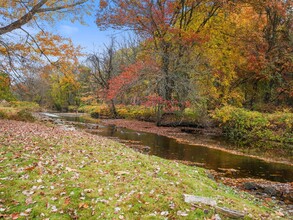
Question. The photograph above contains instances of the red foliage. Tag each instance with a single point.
(128, 76)
(155, 100)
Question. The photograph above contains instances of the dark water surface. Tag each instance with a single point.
(214, 159)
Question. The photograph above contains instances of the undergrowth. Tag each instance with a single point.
(252, 127)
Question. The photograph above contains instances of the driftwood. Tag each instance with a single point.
(229, 212)
(213, 203)
(199, 199)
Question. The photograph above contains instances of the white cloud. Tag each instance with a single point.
(68, 30)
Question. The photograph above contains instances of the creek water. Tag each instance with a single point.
(169, 148)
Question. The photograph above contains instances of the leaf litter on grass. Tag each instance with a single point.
(51, 173)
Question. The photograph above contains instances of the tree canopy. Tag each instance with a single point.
(196, 53)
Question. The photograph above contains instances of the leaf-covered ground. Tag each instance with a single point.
(50, 173)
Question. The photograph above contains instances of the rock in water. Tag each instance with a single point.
(271, 191)
(250, 186)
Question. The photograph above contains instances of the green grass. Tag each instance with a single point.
(50, 173)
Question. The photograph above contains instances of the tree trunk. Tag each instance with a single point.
(167, 86)
(113, 108)
(159, 114)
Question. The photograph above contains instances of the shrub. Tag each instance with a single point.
(123, 111)
(96, 111)
(135, 112)
(246, 127)
(87, 108)
(95, 115)
(72, 108)
(196, 115)
(23, 115)
(31, 106)
(3, 115)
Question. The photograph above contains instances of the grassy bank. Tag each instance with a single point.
(18, 110)
(47, 172)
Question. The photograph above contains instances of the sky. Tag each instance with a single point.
(88, 36)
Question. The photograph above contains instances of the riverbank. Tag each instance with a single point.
(50, 172)
(270, 155)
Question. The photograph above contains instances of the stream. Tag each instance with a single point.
(239, 166)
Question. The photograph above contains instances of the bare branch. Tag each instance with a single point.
(23, 20)
(42, 10)
(36, 9)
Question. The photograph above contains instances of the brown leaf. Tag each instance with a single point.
(83, 205)
(31, 167)
(67, 201)
(14, 215)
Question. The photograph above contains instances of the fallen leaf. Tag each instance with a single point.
(14, 215)
(31, 167)
(67, 201)
(54, 209)
(83, 205)
(29, 201)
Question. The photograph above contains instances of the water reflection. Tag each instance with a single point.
(211, 158)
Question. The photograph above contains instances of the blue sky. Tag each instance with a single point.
(88, 36)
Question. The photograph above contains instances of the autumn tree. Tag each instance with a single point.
(20, 20)
(171, 31)
(261, 42)
(88, 86)
(271, 52)
(244, 62)
(65, 88)
(32, 80)
(166, 27)
(103, 67)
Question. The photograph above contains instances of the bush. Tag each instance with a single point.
(18, 110)
(123, 111)
(95, 115)
(30, 106)
(135, 112)
(198, 116)
(72, 108)
(23, 115)
(87, 108)
(96, 111)
(3, 115)
(246, 127)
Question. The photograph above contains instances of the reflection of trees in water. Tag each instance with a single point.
(213, 159)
